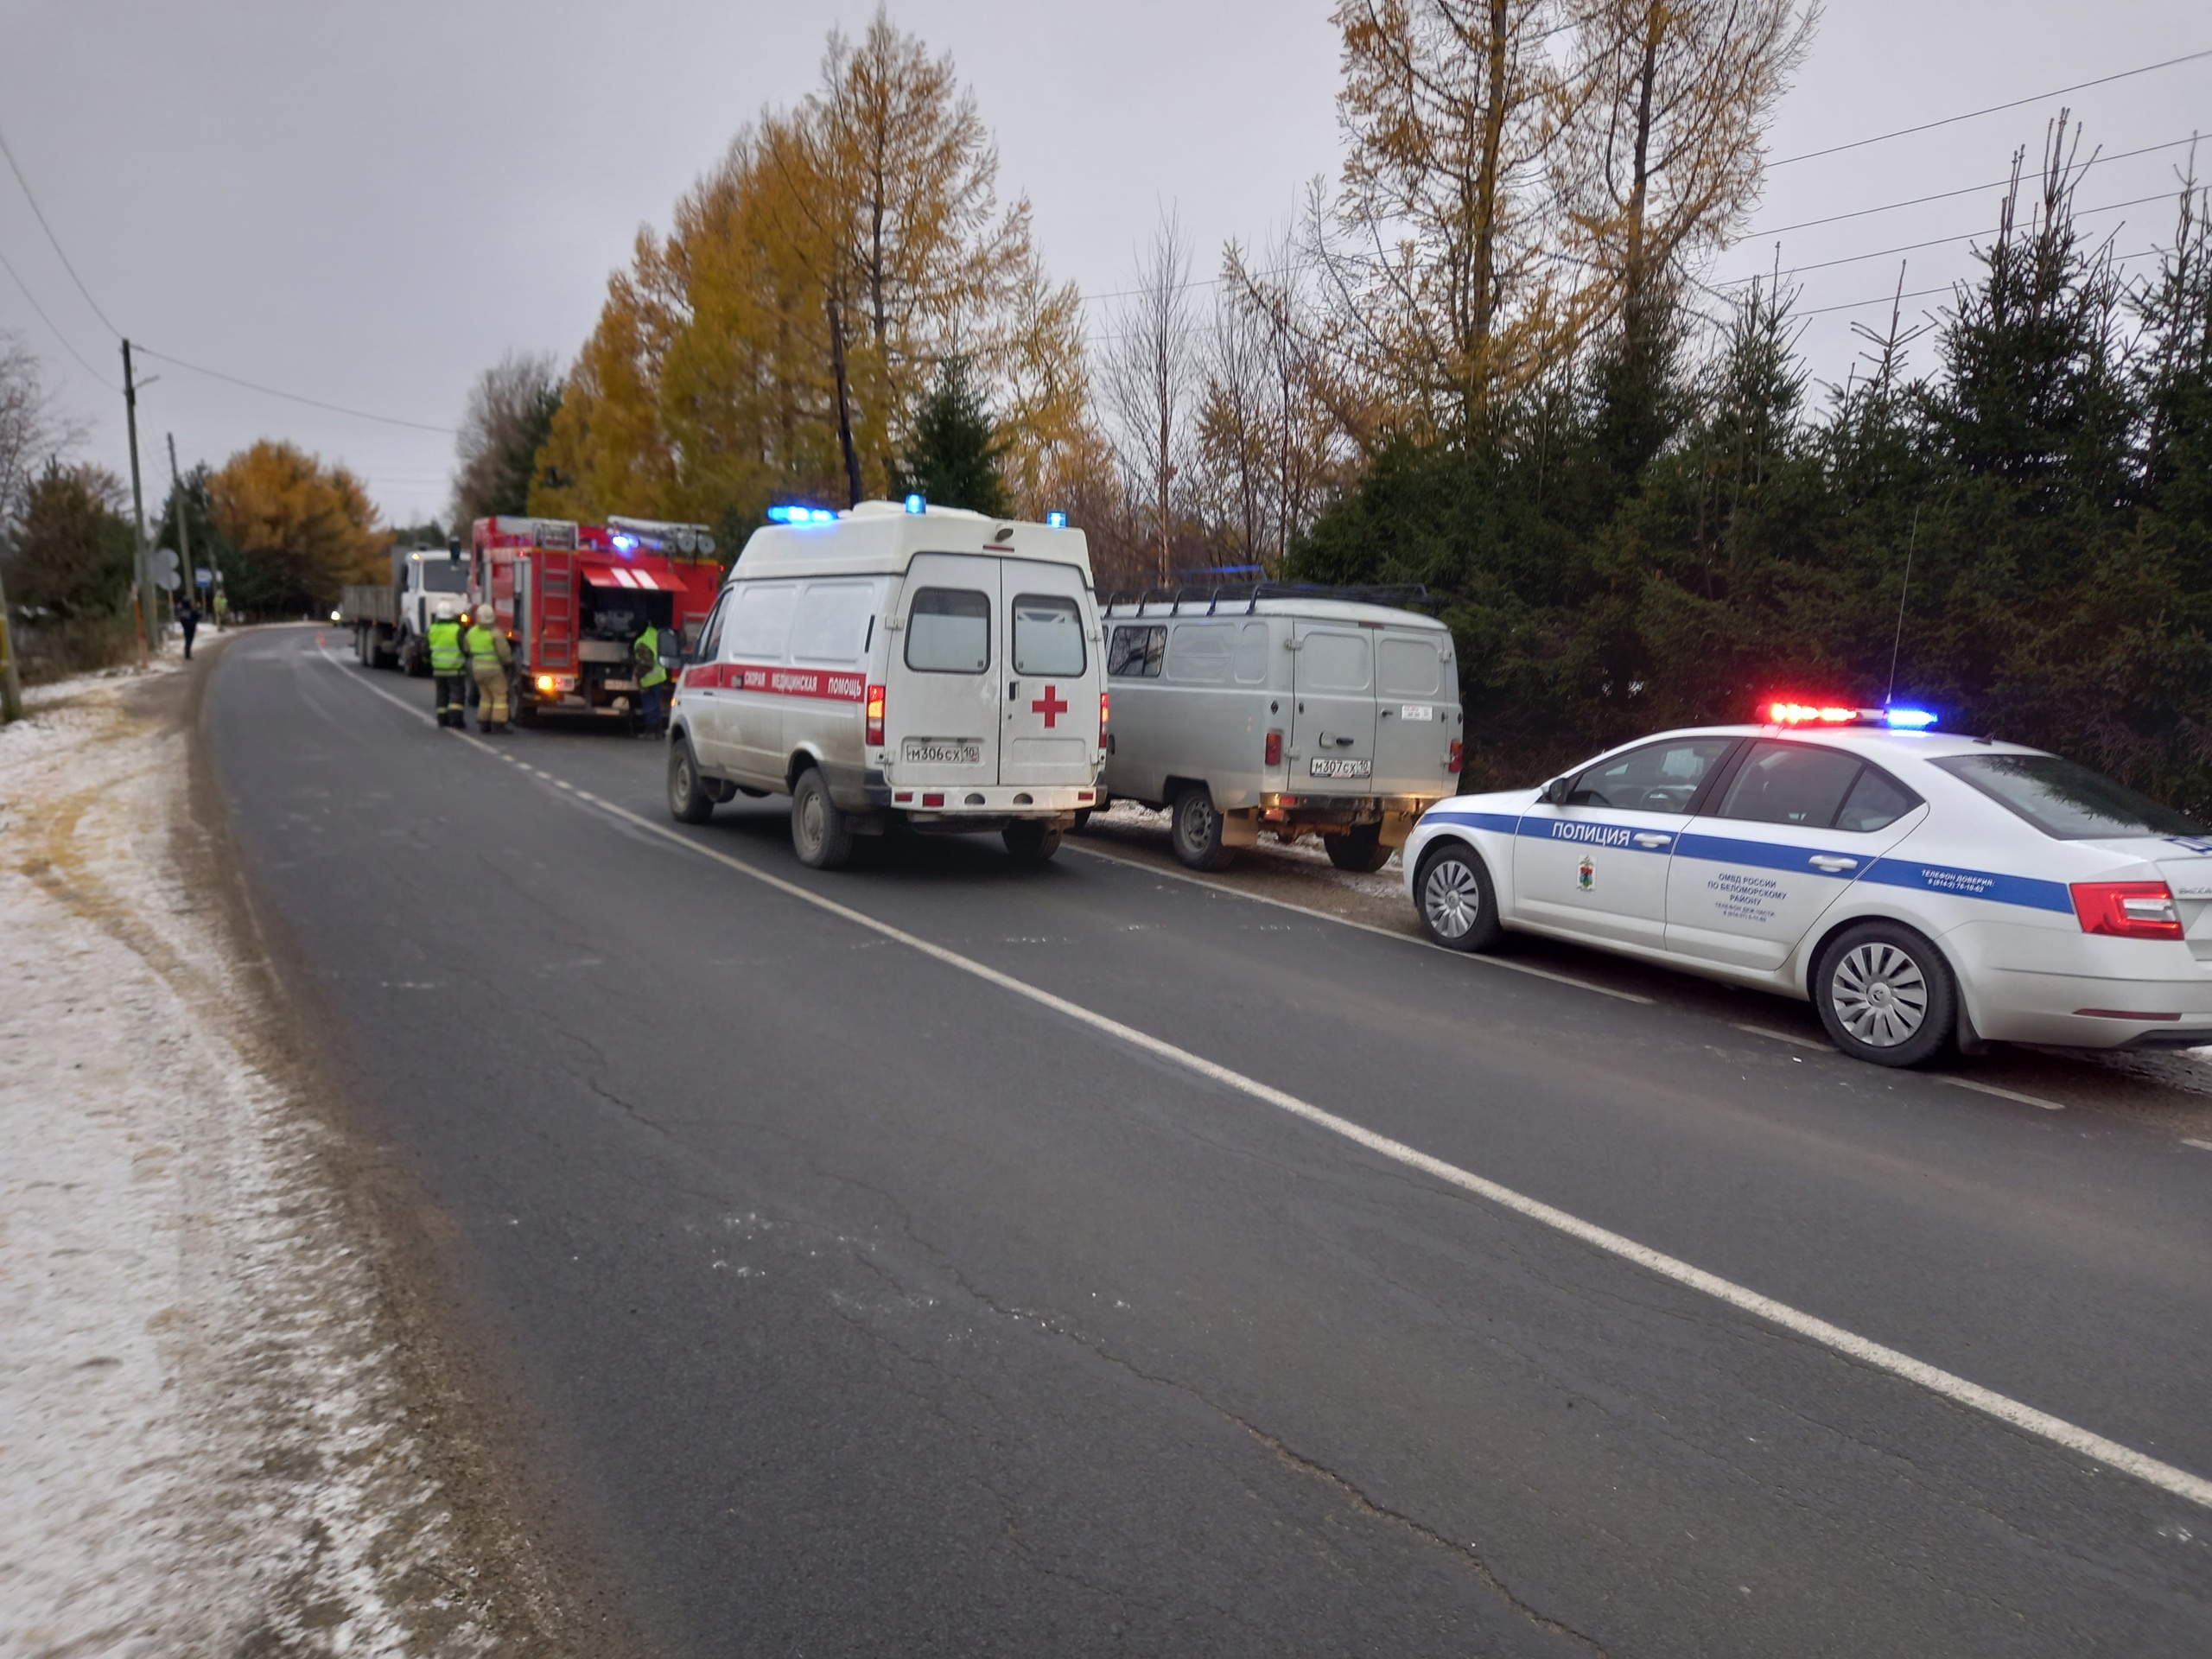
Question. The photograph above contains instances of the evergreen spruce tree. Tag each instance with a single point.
(953, 458)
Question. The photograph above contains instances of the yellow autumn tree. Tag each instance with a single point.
(300, 530)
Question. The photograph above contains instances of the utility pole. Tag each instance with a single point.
(150, 637)
(183, 534)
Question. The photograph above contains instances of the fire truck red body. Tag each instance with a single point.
(574, 598)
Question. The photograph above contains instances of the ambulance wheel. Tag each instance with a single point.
(687, 800)
(1082, 817)
(1194, 830)
(1885, 995)
(1359, 848)
(821, 833)
(1030, 843)
(1458, 907)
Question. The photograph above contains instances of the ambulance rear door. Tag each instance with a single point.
(1049, 715)
(941, 716)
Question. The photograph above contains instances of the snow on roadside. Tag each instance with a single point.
(203, 1447)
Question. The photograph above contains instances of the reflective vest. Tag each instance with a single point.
(445, 647)
(483, 644)
(649, 646)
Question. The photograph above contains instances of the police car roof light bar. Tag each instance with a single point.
(1782, 712)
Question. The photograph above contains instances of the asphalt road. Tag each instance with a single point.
(850, 1303)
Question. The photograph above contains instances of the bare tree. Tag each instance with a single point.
(31, 429)
(1149, 373)
(509, 417)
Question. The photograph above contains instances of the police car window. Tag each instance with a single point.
(831, 621)
(1789, 782)
(1408, 668)
(1252, 654)
(1334, 661)
(1200, 652)
(1657, 777)
(1137, 650)
(949, 632)
(2067, 800)
(759, 621)
(1048, 635)
(1876, 802)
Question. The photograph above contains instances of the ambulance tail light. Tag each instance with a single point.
(1459, 756)
(875, 697)
(1105, 715)
(1274, 749)
(2128, 910)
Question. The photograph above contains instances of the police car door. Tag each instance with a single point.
(1332, 719)
(1784, 837)
(942, 712)
(1596, 864)
(1050, 717)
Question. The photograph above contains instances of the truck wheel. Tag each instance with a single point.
(687, 797)
(1028, 842)
(1195, 829)
(1885, 993)
(1359, 848)
(821, 833)
(1457, 906)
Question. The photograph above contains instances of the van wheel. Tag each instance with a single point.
(1195, 829)
(1359, 848)
(1030, 843)
(821, 833)
(687, 795)
(1082, 818)
(1457, 904)
(1885, 995)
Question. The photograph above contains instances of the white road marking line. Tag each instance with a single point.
(1863, 1350)
(1788, 1037)
(2201, 1146)
(1365, 927)
(2002, 1094)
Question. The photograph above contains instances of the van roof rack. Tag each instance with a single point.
(1213, 595)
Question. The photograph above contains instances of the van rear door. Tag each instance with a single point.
(1332, 723)
(1050, 711)
(941, 714)
(1416, 696)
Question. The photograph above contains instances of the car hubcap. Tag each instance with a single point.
(1881, 995)
(683, 780)
(1451, 899)
(1198, 820)
(810, 822)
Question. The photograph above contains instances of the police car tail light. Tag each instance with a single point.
(2128, 910)
(1274, 749)
(875, 695)
(1459, 756)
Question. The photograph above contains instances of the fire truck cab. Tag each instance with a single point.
(916, 664)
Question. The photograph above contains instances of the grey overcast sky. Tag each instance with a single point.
(367, 203)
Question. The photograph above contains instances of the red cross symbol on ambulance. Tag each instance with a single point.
(1051, 705)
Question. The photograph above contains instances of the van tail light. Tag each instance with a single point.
(2128, 910)
(1459, 754)
(1274, 749)
(1105, 715)
(875, 713)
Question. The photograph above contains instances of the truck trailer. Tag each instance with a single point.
(575, 598)
(391, 622)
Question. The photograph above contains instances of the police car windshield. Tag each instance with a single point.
(2066, 801)
(444, 576)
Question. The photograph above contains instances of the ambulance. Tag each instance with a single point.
(897, 662)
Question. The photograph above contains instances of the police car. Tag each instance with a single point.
(1919, 888)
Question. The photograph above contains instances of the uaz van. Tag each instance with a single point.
(918, 663)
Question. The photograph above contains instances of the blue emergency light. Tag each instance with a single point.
(802, 516)
(1912, 720)
(916, 504)
(1057, 520)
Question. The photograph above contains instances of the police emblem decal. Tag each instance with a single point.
(1585, 873)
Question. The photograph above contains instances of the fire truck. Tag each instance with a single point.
(574, 598)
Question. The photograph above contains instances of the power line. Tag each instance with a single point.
(56, 331)
(1953, 120)
(296, 397)
(41, 212)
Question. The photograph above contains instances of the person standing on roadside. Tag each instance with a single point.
(652, 681)
(187, 619)
(489, 653)
(447, 660)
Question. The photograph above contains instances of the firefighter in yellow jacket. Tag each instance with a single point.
(489, 653)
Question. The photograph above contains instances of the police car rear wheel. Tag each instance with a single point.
(821, 833)
(1458, 907)
(688, 799)
(1885, 995)
(1195, 829)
